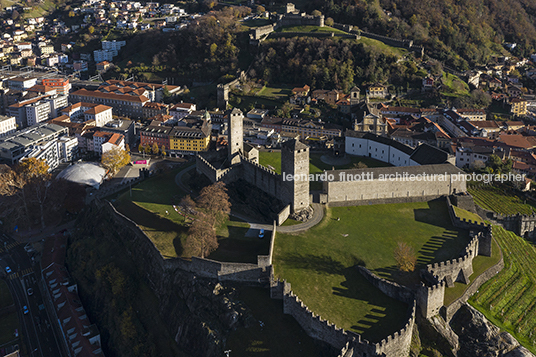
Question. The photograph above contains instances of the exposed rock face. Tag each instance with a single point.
(478, 337)
(303, 215)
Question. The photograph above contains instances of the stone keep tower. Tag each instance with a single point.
(235, 140)
(295, 162)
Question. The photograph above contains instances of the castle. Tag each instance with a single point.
(242, 161)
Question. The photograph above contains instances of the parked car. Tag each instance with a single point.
(25, 310)
(30, 291)
(8, 270)
(261, 233)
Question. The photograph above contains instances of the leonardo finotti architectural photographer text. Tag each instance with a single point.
(404, 176)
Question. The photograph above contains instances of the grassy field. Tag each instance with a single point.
(397, 51)
(151, 207)
(480, 265)
(495, 199)
(9, 322)
(509, 299)
(279, 334)
(470, 216)
(320, 263)
(316, 165)
(454, 87)
(275, 93)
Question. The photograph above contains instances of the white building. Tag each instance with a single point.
(47, 151)
(21, 83)
(67, 148)
(113, 45)
(57, 102)
(37, 112)
(102, 114)
(103, 55)
(8, 125)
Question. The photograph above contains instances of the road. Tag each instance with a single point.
(36, 328)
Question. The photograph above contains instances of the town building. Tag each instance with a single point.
(8, 125)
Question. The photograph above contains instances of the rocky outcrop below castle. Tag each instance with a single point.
(479, 337)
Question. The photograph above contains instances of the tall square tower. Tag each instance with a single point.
(235, 140)
(295, 162)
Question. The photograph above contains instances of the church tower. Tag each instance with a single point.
(235, 140)
(354, 96)
(295, 162)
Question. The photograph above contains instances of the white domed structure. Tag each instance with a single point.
(85, 173)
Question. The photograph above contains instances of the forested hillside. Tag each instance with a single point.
(462, 33)
(328, 63)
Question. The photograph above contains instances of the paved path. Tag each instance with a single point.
(318, 212)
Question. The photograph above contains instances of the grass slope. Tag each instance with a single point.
(320, 262)
(470, 216)
(495, 199)
(151, 207)
(509, 299)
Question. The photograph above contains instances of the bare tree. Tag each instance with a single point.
(202, 239)
(405, 257)
(215, 200)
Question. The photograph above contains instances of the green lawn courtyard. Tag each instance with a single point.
(151, 207)
(272, 160)
(320, 262)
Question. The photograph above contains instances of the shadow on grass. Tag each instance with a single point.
(323, 264)
(237, 248)
(382, 315)
(153, 222)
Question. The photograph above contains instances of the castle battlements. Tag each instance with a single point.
(395, 336)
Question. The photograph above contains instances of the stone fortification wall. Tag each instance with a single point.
(462, 222)
(450, 310)
(459, 269)
(389, 288)
(314, 34)
(346, 192)
(204, 167)
(258, 32)
(283, 215)
(430, 299)
(301, 20)
(465, 202)
(261, 177)
(314, 325)
(350, 343)
(256, 274)
(523, 225)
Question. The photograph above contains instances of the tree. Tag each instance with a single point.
(202, 239)
(215, 200)
(316, 13)
(188, 204)
(155, 148)
(114, 159)
(329, 21)
(260, 9)
(405, 257)
(91, 30)
(163, 150)
(27, 193)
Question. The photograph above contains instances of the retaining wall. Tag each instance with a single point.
(261, 177)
